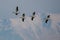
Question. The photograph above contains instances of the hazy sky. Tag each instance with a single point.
(12, 28)
(28, 6)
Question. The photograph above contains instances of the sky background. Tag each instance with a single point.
(12, 28)
(28, 7)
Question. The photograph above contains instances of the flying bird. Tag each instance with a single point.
(16, 13)
(47, 18)
(33, 16)
(23, 17)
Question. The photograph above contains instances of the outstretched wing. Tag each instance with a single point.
(32, 17)
(17, 9)
(46, 20)
(23, 18)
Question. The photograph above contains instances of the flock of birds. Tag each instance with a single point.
(32, 17)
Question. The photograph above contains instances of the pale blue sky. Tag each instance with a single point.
(28, 6)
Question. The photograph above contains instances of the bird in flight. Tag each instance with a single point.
(47, 18)
(17, 10)
(33, 16)
(23, 17)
